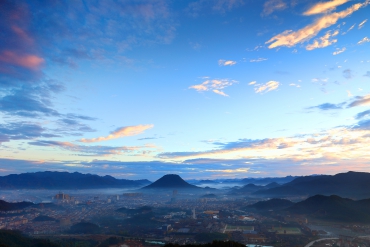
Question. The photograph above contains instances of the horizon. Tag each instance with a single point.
(204, 89)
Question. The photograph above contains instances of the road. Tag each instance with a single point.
(318, 240)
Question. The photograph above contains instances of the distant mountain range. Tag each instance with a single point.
(256, 181)
(332, 208)
(250, 188)
(171, 181)
(350, 184)
(65, 180)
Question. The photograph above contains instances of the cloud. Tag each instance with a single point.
(28, 101)
(323, 41)
(328, 106)
(23, 131)
(339, 51)
(226, 62)
(92, 150)
(120, 133)
(258, 60)
(289, 38)
(267, 87)
(364, 40)
(363, 114)
(23, 60)
(324, 7)
(360, 101)
(271, 6)
(347, 74)
(362, 24)
(252, 83)
(216, 86)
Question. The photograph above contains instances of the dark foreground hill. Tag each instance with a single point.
(171, 181)
(350, 184)
(213, 244)
(16, 239)
(65, 180)
(333, 208)
(8, 206)
(272, 204)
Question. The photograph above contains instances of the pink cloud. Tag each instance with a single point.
(23, 60)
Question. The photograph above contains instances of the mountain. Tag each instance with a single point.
(333, 208)
(250, 188)
(272, 204)
(171, 181)
(350, 184)
(265, 181)
(65, 180)
(8, 206)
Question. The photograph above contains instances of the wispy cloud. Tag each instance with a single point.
(216, 86)
(92, 150)
(252, 83)
(362, 24)
(222, 62)
(271, 6)
(289, 38)
(324, 7)
(267, 87)
(120, 133)
(364, 40)
(323, 41)
(327, 106)
(261, 59)
(363, 114)
(360, 101)
(339, 51)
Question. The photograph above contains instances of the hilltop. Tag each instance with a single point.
(171, 181)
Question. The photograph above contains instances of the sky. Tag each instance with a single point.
(205, 89)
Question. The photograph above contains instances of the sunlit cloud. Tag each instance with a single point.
(324, 7)
(362, 24)
(289, 38)
(252, 83)
(120, 133)
(364, 40)
(267, 87)
(339, 51)
(24, 60)
(226, 62)
(323, 41)
(360, 101)
(216, 86)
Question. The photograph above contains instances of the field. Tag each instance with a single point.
(230, 228)
(286, 230)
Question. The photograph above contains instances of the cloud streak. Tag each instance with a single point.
(289, 38)
(324, 7)
(267, 87)
(120, 133)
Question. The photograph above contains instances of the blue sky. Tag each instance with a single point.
(204, 89)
